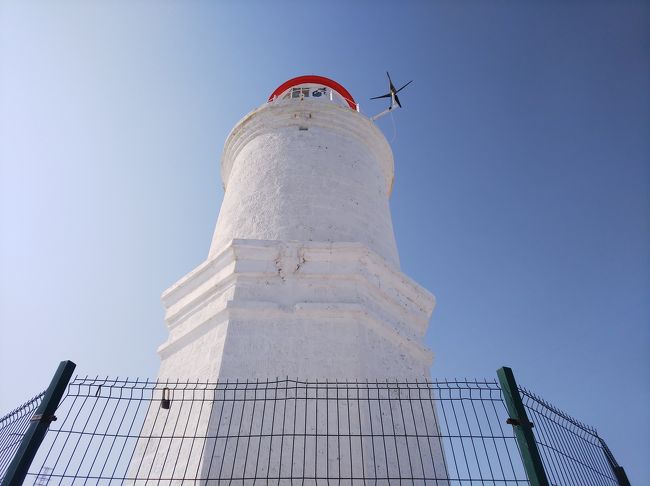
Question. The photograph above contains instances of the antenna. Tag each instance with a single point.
(392, 94)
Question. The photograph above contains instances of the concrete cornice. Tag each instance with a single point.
(259, 260)
(383, 299)
(265, 309)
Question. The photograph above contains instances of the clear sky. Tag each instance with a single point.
(521, 197)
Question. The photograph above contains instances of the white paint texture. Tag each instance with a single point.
(265, 309)
(302, 278)
(328, 182)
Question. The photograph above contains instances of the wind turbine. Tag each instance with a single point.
(392, 94)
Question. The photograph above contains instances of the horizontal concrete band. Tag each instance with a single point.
(300, 283)
(310, 261)
(257, 312)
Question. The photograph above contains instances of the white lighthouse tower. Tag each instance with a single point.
(302, 282)
(303, 277)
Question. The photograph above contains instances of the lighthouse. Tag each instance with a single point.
(302, 278)
(302, 286)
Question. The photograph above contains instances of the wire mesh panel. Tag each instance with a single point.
(281, 432)
(12, 429)
(572, 452)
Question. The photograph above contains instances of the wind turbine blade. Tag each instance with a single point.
(387, 95)
(404, 86)
(390, 82)
(397, 100)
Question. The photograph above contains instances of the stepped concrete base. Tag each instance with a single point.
(266, 309)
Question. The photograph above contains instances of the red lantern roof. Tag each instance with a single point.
(311, 79)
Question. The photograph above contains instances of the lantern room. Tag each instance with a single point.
(316, 88)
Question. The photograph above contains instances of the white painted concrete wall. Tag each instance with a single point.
(307, 171)
(312, 310)
(302, 278)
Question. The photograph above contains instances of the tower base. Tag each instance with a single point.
(267, 309)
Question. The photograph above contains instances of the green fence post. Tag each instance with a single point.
(38, 426)
(621, 477)
(619, 472)
(523, 428)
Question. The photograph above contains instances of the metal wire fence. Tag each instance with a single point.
(572, 452)
(279, 432)
(291, 432)
(12, 429)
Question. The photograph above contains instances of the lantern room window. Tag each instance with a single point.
(299, 92)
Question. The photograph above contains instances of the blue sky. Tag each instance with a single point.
(521, 195)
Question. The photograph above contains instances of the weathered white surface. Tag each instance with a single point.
(309, 310)
(328, 182)
(302, 278)
(266, 309)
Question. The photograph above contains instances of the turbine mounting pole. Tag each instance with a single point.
(379, 115)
